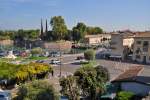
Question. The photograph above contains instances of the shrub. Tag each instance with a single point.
(125, 95)
(36, 51)
(21, 73)
(37, 90)
(89, 54)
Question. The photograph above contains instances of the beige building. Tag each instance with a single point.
(120, 43)
(6, 42)
(141, 48)
(97, 39)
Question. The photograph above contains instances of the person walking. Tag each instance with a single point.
(52, 73)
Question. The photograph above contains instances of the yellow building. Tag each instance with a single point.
(141, 48)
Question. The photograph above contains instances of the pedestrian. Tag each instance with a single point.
(52, 73)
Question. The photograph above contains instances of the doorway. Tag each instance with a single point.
(144, 59)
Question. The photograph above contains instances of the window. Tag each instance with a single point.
(145, 43)
(138, 51)
(145, 46)
(145, 49)
(138, 42)
(138, 56)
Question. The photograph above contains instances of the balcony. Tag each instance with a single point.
(145, 49)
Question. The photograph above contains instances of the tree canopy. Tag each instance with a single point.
(79, 31)
(27, 34)
(89, 80)
(89, 54)
(21, 73)
(58, 31)
(59, 28)
(94, 30)
(92, 81)
(37, 90)
(69, 87)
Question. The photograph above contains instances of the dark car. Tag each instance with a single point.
(80, 57)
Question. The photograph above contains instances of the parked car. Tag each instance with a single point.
(55, 61)
(55, 54)
(80, 57)
(40, 61)
(4, 95)
(3, 53)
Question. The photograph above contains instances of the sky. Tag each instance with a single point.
(108, 14)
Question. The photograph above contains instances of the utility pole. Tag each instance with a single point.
(60, 59)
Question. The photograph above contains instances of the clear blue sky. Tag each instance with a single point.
(108, 14)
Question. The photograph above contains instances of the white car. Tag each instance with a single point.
(55, 61)
(5, 96)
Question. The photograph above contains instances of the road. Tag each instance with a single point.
(115, 68)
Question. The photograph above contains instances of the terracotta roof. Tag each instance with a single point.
(130, 73)
(143, 34)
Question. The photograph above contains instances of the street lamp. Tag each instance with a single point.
(60, 60)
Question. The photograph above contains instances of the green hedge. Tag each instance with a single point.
(125, 95)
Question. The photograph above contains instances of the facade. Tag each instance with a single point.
(97, 39)
(119, 44)
(141, 48)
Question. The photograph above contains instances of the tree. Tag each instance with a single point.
(69, 87)
(79, 32)
(94, 30)
(27, 34)
(31, 71)
(37, 90)
(36, 51)
(59, 28)
(20, 73)
(102, 74)
(91, 81)
(89, 54)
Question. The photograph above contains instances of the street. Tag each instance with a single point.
(115, 68)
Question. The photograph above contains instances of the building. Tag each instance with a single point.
(132, 80)
(97, 39)
(121, 44)
(6, 42)
(141, 48)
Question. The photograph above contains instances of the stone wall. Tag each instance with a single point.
(6, 42)
(63, 46)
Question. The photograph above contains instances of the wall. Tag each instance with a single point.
(128, 42)
(136, 88)
(6, 42)
(96, 39)
(116, 44)
(63, 46)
